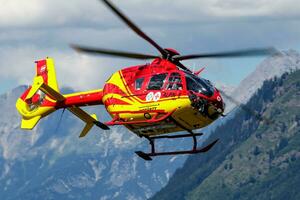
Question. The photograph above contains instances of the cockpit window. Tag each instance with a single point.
(156, 82)
(199, 85)
(139, 83)
(174, 82)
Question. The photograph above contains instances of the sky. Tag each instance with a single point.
(34, 29)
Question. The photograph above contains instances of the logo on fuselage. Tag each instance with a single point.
(153, 97)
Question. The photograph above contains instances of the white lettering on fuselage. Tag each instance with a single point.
(153, 97)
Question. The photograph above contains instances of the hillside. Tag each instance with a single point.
(254, 159)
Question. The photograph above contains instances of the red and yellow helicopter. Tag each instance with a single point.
(152, 100)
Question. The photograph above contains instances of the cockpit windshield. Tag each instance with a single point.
(199, 85)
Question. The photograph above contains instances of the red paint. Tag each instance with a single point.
(172, 51)
(41, 69)
(115, 101)
(94, 98)
(24, 95)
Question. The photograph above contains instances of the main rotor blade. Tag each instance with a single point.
(134, 27)
(246, 108)
(110, 52)
(180, 65)
(237, 53)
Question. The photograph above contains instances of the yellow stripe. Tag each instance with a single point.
(116, 96)
(52, 82)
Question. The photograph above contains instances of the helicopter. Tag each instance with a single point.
(154, 100)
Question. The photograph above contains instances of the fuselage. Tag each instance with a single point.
(159, 98)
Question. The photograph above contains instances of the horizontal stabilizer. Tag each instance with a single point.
(101, 125)
(88, 126)
(89, 119)
(51, 92)
(86, 129)
(81, 114)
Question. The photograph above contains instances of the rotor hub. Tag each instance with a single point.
(172, 52)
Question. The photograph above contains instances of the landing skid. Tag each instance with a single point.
(147, 156)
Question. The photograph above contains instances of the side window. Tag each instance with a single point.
(174, 82)
(156, 82)
(139, 83)
(191, 84)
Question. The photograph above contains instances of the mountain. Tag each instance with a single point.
(273, 66)
(254, 159)
(51, 162)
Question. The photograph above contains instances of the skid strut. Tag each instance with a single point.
(147, 156)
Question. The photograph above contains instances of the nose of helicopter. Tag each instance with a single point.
(211, 106)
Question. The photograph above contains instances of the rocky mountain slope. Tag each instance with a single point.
(254, 159)
(273, 66)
